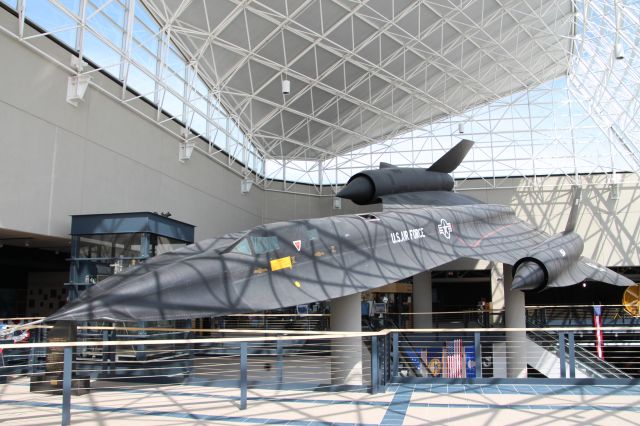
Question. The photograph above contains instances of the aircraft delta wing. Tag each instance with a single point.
(423, 225)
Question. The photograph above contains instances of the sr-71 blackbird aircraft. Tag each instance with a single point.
(423, 225)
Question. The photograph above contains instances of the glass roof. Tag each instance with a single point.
(534, 83)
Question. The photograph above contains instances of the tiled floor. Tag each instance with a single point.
(401, 404)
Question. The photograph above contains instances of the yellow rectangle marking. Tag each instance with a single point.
(282, 263)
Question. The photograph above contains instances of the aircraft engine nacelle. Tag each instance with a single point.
(368, 186)
(547, 261)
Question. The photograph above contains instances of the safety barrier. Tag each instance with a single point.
(36, 374)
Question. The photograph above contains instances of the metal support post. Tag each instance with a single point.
(477, 349)
(66, 386)
(395, 356)
(145, 246)
(20, 8)
(33, 352)
(374, 364)
(280, 362)
(572, 355)
(386, 362)
(243, 375)
(141, 354)
(563, 364)
(106, 360)
(74, 271)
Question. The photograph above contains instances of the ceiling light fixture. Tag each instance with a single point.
(286, 87)
(618, 48)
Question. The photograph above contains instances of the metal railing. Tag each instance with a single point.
(576, 315)
(41, 372)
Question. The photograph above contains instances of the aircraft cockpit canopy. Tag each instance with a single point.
(255, 244)
(271, 241)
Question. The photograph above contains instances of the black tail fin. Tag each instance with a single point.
(452, 159)
(576, 191)
(384, 165)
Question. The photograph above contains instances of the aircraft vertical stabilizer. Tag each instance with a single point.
(452, 159)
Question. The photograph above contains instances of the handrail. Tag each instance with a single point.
(310, 335)
(584, 357)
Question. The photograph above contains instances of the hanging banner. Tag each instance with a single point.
(470, 358)
(597, 323)
(432, 359)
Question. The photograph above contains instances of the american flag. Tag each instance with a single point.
(597, 323)
(454, 359)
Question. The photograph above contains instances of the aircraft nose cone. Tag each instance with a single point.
(359, 190)
(528, 276)
(174, 291)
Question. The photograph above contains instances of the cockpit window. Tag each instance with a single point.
(242, 247)
(255, 244)
(264, 244)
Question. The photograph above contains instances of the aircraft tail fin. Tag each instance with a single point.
(576, 197)
(452, 159)
(384, 165)
(586, 269)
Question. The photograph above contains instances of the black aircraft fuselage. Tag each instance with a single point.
(290, 263)
(423, 225)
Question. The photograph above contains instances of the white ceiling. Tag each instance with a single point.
(362, 71)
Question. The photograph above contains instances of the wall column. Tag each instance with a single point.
(346, 353)
(422, 300)
(497, 293)
(515, 317)
(497, 312)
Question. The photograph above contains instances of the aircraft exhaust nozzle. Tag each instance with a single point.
(547, 261)
(367, 187)
(528, 276)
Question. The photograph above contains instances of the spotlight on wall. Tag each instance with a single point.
(186, 146)
(615, 187)
(245, 185)
(337, 203)
(76, 88)
(615, 191)
(185, 150)
(618, 50)
(460, 128)
(77, 84)
(286, 87)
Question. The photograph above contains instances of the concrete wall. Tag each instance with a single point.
(610, 227)
(57, 160)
